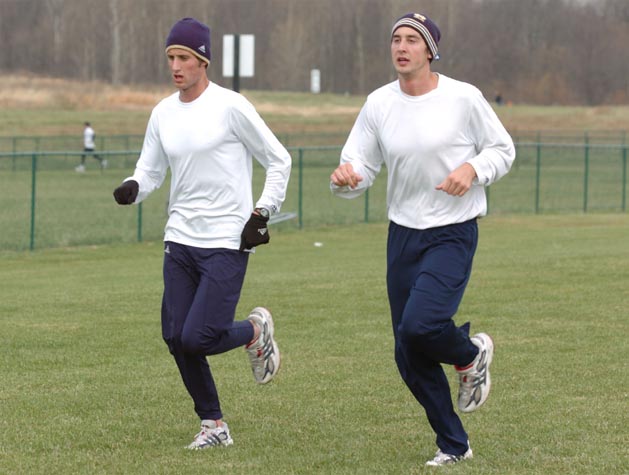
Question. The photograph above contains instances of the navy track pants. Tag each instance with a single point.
(201, 291)
(427, 272)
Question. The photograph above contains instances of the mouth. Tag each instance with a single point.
(177, 77)
(402, 61)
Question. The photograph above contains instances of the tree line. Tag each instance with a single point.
(529, 51)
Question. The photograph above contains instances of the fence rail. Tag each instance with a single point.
(121, 142)
(45, 203)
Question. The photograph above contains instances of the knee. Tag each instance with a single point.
(191, 343)
(174, 344)
(414, 330)
(200, 343)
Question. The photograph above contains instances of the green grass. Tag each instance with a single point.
(89, 387)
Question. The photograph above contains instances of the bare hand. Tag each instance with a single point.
(344, 175)
(459, 181)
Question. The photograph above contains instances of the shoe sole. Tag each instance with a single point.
(266, 314)
(490, 356)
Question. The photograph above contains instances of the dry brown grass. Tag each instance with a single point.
(34, 92)
(285, 112)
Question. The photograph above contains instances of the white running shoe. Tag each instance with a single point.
(80, 168)
(263, 353)
(474, 379)
(211, 435)
(448, 459)
(104, 163)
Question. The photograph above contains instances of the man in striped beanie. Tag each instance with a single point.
(442, 144)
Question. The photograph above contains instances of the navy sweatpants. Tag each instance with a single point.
(427, 272)
(201, 292)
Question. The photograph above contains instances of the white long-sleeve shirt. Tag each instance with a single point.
(88, 138)
(208, 144)
(421, 140)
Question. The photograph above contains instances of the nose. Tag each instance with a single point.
(400, 45)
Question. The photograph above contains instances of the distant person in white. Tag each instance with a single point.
(442, 144)
(89, 146)
(207, 136)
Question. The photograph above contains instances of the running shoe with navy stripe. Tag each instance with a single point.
(474, 379)
(448, 459)
(263, 352)
(211, 435)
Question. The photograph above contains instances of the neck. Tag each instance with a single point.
(418, 84)
(194, 91)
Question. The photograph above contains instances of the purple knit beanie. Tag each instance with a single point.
(425, 27)
(191, 35)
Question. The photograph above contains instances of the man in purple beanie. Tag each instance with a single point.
(442, 144)
(207, 136)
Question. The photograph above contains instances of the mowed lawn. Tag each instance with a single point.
(88, 386)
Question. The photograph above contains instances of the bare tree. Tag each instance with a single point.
(538, 51)
(116, 41)
(55, 9)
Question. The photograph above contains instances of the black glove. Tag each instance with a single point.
(255, 232)
(126, 193)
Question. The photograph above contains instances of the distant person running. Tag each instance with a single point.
(88, 147)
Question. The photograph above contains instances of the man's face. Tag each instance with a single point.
(185, 68)
(409, 51)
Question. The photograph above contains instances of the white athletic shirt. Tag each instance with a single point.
(88, 137)
(421, 140)
(208, 145)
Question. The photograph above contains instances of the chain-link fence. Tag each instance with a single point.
(44, 202)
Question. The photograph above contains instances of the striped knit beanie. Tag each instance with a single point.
(191, 35)
(425, 27)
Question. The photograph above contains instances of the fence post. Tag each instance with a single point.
(538, 173)
(33, 183)
(139, 222)
(14, 152)
(624, 179)
(586, 177)
(367, 205)
(300, 196)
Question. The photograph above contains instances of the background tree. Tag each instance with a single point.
(533, 51)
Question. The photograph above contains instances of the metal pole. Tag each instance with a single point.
(538, 167)
(301, 188)
(624, 179)
(14, 152)
(236, 86)
(367, 205)
(140, 222)
(586, 173)
(33, 183)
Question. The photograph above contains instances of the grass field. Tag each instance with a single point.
(89, 387)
